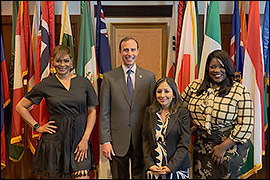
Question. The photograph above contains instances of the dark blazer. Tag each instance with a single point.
(177, 139)
(120, 119)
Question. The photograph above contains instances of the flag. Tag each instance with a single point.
(171, 58)
(243, 27)
(35, 28)
(23, 56)
(181, 10)
(5, 100)
(87, 65)
(104, 65)
(265, 45)
(265, 37)
(66, 31)
(44, 53)
(102, 43)
(206, 7)
(51, 26)
(212, 36)
(32, 143)
(253, 80)
(198, 40)
(188, 51)
(15, 152)
(237, 60)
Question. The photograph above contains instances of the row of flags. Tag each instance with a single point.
(32, 53)
(249, 52)
(31, 62)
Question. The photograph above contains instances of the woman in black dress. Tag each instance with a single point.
(64, 149)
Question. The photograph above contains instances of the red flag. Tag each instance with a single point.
(253, 80)
(44, 53)
(23, 57)
(51, 23)
(5, 100)
(188, 51)
(181, 10)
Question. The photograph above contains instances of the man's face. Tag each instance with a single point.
(129, 52)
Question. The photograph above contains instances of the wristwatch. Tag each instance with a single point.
(36, 126)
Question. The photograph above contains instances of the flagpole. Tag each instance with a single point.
(25, 134)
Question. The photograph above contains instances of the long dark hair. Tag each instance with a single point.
(176, 101)
(225, 85)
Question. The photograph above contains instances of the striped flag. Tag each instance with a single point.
(45, 45)
(188, 51)
(253, 80)
(104, 65)
(15, 152)
(87, 65)
(265, 37)
(171, 58)
(212, 36)
(265, 44)
(23, 53)
(102, 43)
(66, 31)
(5, 100)
(235, 52)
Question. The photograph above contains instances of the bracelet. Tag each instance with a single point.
(36, 126)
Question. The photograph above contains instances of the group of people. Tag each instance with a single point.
(144, 123)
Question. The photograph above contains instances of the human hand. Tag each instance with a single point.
(47, 128)
(81, 150)
(107, 150)
(157, 170)
(165, 169)
(218, 154)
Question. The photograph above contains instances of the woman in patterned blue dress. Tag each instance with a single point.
(166, 134)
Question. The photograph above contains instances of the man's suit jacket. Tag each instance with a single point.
(120, 119)
(177, 139)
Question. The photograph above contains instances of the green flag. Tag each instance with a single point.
(66, 32)
(87, 65)
(212, 36)
(15, 151)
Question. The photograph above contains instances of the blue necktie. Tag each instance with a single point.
(130, 84)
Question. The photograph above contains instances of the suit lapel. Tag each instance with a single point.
(171, 122)
(138, 78)
(153, 124)
(123, 84)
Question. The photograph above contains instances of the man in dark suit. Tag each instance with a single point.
(125, 93)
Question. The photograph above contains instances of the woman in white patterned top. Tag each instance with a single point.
(222, 112)
(166, 134)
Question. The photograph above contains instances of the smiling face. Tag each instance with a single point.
(63, 65)
(164, 95)
(129, 52)
(217, 71)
